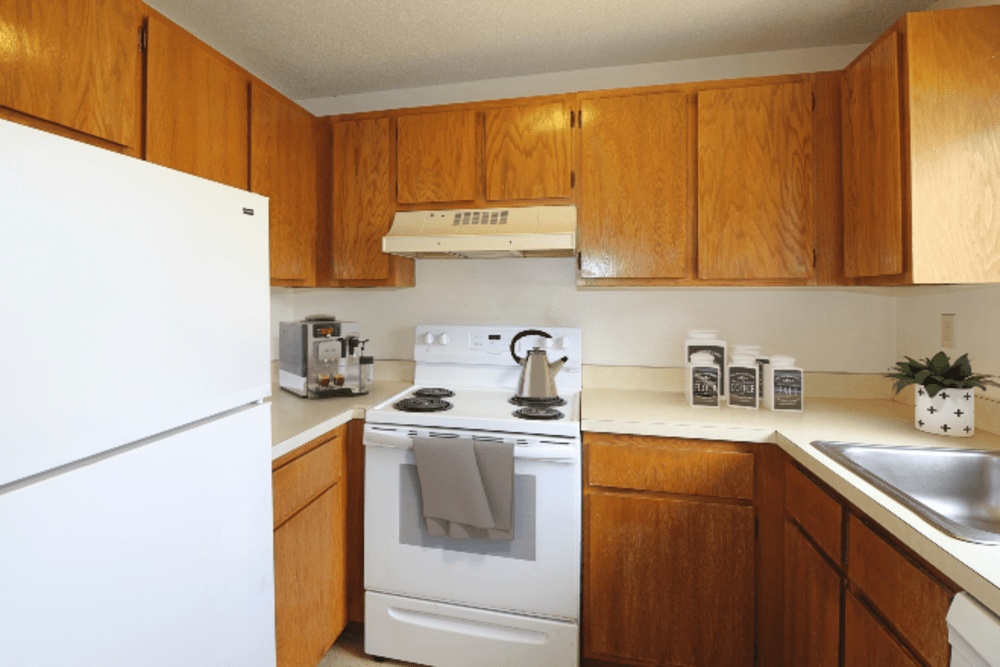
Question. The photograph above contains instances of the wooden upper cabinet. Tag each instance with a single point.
(76, 64)
(634, 180)
(755, 182)
(873, 162)
(362, 199)
(436, 157)
(527, 152)
(283, 167)
(922, 152)
(196, 107)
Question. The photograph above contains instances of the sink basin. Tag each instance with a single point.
(956, 490)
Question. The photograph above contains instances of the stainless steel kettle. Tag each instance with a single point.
(537, 374)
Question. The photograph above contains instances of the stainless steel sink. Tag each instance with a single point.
(956, 490)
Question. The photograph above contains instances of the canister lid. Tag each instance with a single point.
(744, 360)
(782, 361)
(703, 333)
(702, 359)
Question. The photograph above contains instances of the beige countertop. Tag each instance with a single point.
(295, 420)
(974, 567)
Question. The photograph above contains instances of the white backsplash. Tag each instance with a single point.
(833, 330)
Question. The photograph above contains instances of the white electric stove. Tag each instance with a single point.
(452, 602)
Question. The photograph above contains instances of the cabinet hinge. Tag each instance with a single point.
(579, 261)
(143, 40)
(572, 119)
(580, 117)
(572, 180)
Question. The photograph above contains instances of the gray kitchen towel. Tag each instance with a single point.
(451, 488)
(496, 467)
(467, 488)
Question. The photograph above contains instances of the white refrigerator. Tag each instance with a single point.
(135, 443)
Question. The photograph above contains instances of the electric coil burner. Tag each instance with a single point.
(434, 392)
(525, 401)
(422, 404)
(538, 413)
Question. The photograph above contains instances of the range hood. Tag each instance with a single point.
(484, 233)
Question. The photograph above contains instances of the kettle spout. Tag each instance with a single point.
(557, 366)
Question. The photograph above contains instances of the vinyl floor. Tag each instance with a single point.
(349, 652)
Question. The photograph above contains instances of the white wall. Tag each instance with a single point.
(977, 323)
(826, 330)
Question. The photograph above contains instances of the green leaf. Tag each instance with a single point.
(939, 363)
(922, 375)
(933, 389)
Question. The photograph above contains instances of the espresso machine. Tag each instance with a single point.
(321, 357)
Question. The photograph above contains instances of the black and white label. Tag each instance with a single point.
(743, 386)
(787, 390)
(718, 355)
(705, 386)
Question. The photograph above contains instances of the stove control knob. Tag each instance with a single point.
(444, 339)
(549, 343)
(428, 338)
(562, 342)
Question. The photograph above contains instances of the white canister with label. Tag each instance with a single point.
(742, 381)
(702, 380)
(783, 386)
(707, 340)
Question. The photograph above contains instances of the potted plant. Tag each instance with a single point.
(945, 395)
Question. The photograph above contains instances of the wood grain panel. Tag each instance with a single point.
(527, 153)
(76, 64)
(669, 582)
(668, 468)
(283, 167)
(954, 106)
(356, 522)
(817, 512)
(812, 605)
(308, 581)
(302, 479)
(197, 107)
(867, 643)
(362, 199)
(873, 162)
(909, 599)
(634, 181)
(755, 182)
(436, 157)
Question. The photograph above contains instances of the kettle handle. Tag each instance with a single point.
(522, 334)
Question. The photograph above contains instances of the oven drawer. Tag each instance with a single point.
(444, 635)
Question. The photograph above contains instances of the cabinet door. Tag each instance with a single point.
(755, 182)
(669, 582)
(634, 179)
(436, 157)
(309, 580)
(196, 107)
(812, 604)
(867, 643)
(76, 64)
(362, 199)
(528, 152)
(873, 163)
(283, 168)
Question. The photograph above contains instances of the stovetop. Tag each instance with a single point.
(476, 408)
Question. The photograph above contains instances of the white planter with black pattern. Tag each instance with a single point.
(951, 412)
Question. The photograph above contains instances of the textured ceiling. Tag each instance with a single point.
(323, 48)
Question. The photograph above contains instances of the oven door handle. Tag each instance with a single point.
(553, 453)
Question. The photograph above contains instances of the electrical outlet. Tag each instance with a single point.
(948, 330)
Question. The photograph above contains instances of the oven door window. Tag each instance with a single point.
(413, 526)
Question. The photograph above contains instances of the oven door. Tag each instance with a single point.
(537, 573)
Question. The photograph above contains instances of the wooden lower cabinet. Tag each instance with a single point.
(670, 562)
(670, 582)
(812, 604)
(867, 643)
(310, 566)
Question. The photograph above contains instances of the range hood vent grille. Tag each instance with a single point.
(535, 231)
